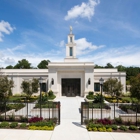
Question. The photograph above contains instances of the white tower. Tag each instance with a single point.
(71, 48)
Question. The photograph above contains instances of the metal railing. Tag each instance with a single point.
(125, 113)
(23, 111)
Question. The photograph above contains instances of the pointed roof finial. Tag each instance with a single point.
(70, 29)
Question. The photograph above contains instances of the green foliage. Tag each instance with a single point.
(13, 124)
(50, 93)
(9, 67)
(133, 127)
(123, 127)
(1, 118)
(94, 129)
(35, 85)
(23, 125)
(43, 123)
(118, 120)
(90, 95)
(30, 87)
(108, 65)
(40, 128)
(98, 98)
(114, 127)
(135, 87)
(23, 119)
(113, 87)
(4, 124)
(15, 106)
(109, 130)
(23, 64)
(43, 64)
(12, 117)
(5, 87)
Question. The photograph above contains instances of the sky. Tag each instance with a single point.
(106, 31)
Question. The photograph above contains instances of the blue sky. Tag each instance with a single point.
(105, 31)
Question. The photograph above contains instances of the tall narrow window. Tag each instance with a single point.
(71, 51)
(70, 39)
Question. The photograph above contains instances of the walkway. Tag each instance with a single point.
(69, 129)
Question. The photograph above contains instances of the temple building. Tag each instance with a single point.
(68, 78)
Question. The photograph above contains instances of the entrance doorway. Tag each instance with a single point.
(71, 87)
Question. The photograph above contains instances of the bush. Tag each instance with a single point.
(4, 125)
(43, 123)
(23, 119)
(50, 93)
(118, 120)
(104, 121)
(35, 119)
(109, 130)
(40, 128)
(1, 118)
(94, 129)
(23, 125)
(114, 127)
(90, 95)
(98, 98)
(123, 127)
(12, 118)
(13, 125)
(133, 127)
(102, 129)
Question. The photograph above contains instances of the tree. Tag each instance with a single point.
(23, 64)
(30, 87)
(43, 64)
(135, 87)
(113, 87)
(9, 67)
(108, 65)
(5, 87)
(121, 68)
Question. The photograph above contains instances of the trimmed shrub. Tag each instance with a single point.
(4, 125)
(104, 121)
(133, 127)
(94, 129)
(114, 127)
(13, 124)
(123, 127)
(40, 128)
(35, 119)
(23, 125)
(109, 130)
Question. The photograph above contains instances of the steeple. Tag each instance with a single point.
(71, 48)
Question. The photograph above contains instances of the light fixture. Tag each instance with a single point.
(52, 81)
(89, 81)
(101, 81)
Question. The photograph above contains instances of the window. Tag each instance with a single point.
(70, 39)
(96, 86)
(71, 51)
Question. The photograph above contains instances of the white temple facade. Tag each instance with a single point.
(68, 78)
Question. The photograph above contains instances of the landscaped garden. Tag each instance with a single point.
(108, 125)
(35, 123)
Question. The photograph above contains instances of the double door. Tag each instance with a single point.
(71, 87)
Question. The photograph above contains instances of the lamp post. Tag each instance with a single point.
(40, 82)
(101, 84)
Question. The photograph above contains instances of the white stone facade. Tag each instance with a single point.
(69, 69)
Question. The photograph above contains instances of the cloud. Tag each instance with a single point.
(5, 28)
(9, 60)
(61, 44)
(85, 47)
(85, 10)
(124, 55)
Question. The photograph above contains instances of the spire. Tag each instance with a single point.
(70, 29)
(71, 48)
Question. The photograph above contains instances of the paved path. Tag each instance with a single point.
(69, 129)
